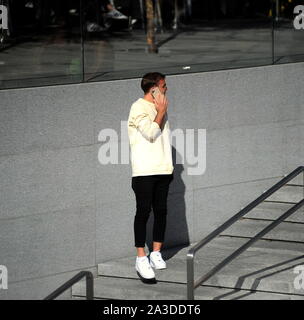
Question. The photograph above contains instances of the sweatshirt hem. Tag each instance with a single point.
(150, 173)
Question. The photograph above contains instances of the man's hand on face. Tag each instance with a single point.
(161, 103)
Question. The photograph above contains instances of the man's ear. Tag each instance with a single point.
(153, 88)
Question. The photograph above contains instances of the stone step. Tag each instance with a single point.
(266, 266)
(273, 210)
(263, 271)
(285, 231)
(134, 289)
(287, 194)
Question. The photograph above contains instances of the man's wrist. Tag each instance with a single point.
(161, 112)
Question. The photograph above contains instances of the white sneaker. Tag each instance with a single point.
(29, 4)
(94, 27)
(144, 270)
(156, 260)
(115, 14)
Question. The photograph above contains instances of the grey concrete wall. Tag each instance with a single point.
(61, 211)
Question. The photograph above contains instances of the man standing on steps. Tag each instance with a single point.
(152, 169)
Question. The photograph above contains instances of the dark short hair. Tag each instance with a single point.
(150, 80)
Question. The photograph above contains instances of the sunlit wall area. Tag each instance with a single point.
(62, 210)
(46, 42)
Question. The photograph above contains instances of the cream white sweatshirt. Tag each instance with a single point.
(150, 146)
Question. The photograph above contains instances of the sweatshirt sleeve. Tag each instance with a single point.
(140, 120)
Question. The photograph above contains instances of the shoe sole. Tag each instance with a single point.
(145, 280)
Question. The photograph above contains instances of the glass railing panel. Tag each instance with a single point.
(208, 35)
(42, 44)
(289, 32)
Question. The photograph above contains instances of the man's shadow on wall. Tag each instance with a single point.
(177, 233)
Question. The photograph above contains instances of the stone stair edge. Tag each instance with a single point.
(221, 239)
(78, 290)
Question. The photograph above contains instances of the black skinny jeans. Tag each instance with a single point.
(150, 191)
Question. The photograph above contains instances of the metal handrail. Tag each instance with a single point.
(191, 284)
(89, 285)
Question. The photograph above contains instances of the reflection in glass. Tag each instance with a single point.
(191, 36)
(71, 41)
(288, 41)
(43, 44)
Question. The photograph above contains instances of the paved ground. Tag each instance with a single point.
(56, 58)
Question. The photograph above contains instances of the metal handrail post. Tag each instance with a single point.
(90, 286)
(190, 276)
